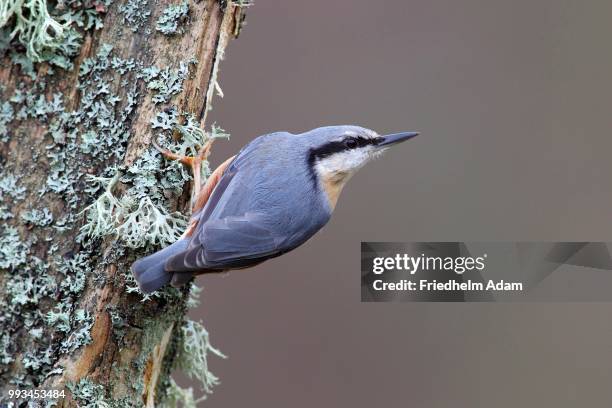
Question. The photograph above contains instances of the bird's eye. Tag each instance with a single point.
(350, 143)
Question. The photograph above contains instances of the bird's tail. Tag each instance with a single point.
(150, 272)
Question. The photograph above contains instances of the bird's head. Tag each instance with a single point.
(337, 152)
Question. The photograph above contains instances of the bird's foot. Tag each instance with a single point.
(202, 155)
(194, 162)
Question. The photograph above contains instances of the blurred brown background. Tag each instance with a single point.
(513, 102)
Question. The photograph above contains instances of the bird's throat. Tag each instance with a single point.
(333, 185)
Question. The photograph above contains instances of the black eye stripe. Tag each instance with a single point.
(337, 146)
(348, 143)
(351, 143)
(359, 141)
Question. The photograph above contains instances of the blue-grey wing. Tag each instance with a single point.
(230, 242)
(245, 236)
(248, 162)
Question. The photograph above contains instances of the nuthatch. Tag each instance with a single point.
(270, 198)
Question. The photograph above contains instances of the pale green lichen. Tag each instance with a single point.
(59, 318)
(6, 117)
(149, 224)
(34, 105)
(166, 82)
(30, 289)
(80, 334)
(35, 216)
(46, 35)
(193, 137)
(118, 321)
(26, 64)
(139, 218)
(25, 291)
(75, 271)
(38, 313)
(137, 222)
(87, 18)
(33, 26)
(5, 213)
(102, 214)
(135, 13)
(166, 120)
(194, 349)
(6, 355)
(148, 73)
(13, 251)
(177, 396)
(21, 290)
(9, 186)
(103, 123)
(87, 393)
(192, 358)
(168, 21)
(194, 296)
(34, 360)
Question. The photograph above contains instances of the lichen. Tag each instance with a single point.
(168, 21)
(5, 213)
(87, 393)
(166, 120)
(13, 251)
(30, 289)
(46, 36)
(118, 321)
(59, 318)
(149, 224)
(97, 127)
(33, 26)
(33, 104)
(6, 117)
(194, 296)
(135, 13)
(166, 82)
(137, 222)
(75, 271)
(193, 356)
(37, 217)
(9, 186)
(178, 396)
(6, 356)
(192, 353)
(80, 332)
(102, 214)
(139, 217)
(192, 138)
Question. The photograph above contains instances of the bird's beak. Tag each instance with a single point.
(394, 138)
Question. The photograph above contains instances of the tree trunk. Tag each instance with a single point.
(71, 317)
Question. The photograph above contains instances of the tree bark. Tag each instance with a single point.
(68, 320)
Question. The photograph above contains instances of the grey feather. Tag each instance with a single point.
(181, 278)
(150, 272)
(154, 278)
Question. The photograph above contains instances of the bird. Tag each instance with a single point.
(270, 198)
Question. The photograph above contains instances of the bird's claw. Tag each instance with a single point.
(172, 156)
(194, 162)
